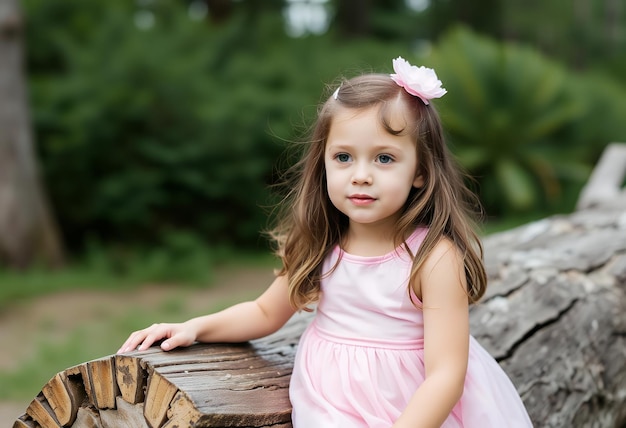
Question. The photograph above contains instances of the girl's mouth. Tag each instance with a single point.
(361, 199)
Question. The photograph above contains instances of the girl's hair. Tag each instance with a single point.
(309, 226)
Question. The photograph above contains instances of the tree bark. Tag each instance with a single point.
(28, 233)
(554, 316)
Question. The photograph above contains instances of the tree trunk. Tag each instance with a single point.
(353, 17)
(219, 10)
(554, 315)
(28, 232)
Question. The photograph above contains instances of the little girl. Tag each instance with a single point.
(376, 232)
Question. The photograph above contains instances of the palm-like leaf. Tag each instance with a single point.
(504, 107)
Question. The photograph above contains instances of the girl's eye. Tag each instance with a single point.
(385, 159)
(343, 157)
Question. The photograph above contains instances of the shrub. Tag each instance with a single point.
(504, 113)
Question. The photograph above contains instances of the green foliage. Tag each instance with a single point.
(578, 33)
(138, 142)
(181, 258)
(114, 268)
(148, 136)
(17, 285)
(145, 133)
(602, 120)
(506, 110)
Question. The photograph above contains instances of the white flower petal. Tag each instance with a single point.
(419, 81)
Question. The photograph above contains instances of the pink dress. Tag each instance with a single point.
(362, 358)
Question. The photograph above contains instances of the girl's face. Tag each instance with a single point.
(369, 172)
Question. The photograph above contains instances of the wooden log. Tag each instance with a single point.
(182, 412)
(65, 394)
(158, 398)
(88, 417)
(131, 378)
(100, 382)
(41, 412)
(25, 421)
(555, 316)
(222, 382)
(126, 415)
(59, 399)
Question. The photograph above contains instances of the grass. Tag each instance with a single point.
(123, 270)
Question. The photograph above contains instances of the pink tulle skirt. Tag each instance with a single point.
(350, 383)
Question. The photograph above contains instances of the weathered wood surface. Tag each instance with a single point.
(554, 316)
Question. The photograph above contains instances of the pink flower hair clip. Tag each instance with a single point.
(419, 81)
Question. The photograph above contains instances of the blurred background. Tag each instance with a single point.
(139, 141)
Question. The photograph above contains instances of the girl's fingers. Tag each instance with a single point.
(141, 339)
(126, 346)
(174, 334)
(148, 341)
(178, 339)
(169, 344)
(131, 344)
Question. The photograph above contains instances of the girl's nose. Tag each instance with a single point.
(361, 176)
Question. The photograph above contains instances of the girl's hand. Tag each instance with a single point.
(180, 334)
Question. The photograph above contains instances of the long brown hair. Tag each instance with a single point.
(309, 226)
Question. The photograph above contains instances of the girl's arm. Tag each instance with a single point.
(441, 286)
(238, 323)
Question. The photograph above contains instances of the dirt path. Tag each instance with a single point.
(28, 319)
